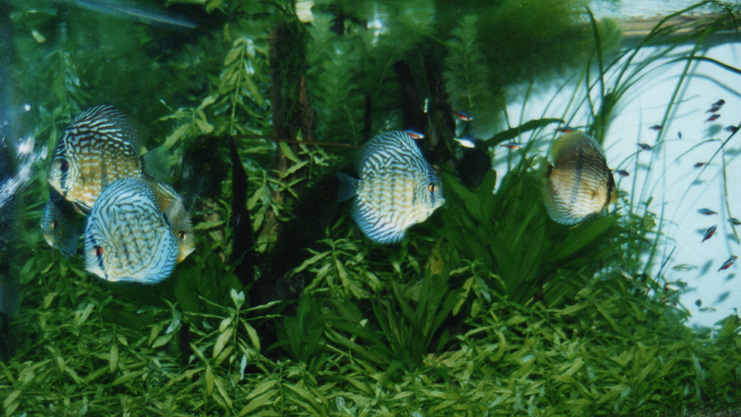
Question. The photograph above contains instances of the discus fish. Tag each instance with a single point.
(706, 212)
(397, 188)
(127, 238)
(709, 233)
(60, 224)
(578, 182)
(177, 216)
(727, 264)
(97, 148)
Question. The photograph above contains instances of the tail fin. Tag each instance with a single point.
(348, 187)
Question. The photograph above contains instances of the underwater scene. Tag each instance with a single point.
(370, 208)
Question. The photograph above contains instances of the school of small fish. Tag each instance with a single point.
(137, 227)
(396, 187)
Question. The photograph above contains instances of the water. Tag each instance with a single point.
(488, 307)
(667, 173)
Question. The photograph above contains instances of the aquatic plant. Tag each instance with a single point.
(487, 308)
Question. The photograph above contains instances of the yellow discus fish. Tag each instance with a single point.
(99, 147)
(577, 181)
(176, 215)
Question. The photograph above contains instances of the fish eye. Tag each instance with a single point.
(432, 188)
(98, 251)
(63, 165)
(181, 235)
(53, 225)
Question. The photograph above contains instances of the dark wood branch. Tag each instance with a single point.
(243, 241)
(412, 110)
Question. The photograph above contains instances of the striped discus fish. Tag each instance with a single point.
(578, 182)
(97, 148)
(127, 237)
(60, 224)
(173, 210)
(397, 187)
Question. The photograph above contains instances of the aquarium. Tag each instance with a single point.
(369, 208)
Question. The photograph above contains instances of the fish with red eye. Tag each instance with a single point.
(713, 118)
(727, 264)
(709, 233)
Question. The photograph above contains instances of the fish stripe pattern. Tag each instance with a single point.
(578, 182)
(127, 238)
(397, 188)
(97, 148)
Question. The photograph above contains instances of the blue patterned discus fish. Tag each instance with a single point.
(97, 148)
(397, 188)
(127, 238)
(60, 224)
(577, 182)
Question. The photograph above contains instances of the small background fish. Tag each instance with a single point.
(397, 187)
(60, 224)
(127, 238)
(578, 182)
(97, 148)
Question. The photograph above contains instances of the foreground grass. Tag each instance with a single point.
(85, 350)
